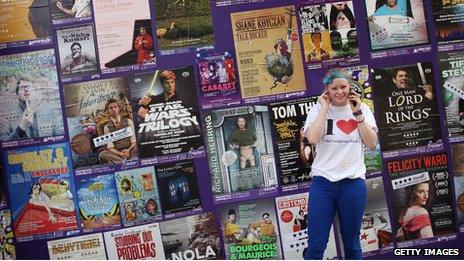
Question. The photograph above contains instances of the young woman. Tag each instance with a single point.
(414, 220)
(340, 127)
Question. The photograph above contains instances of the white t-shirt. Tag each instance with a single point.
(340, 152)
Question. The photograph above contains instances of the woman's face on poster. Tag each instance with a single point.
(36, 190)
(421, 193)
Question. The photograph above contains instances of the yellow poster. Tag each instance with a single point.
(268, 52)
(24, 20)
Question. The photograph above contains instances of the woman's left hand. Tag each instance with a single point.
(355, 101)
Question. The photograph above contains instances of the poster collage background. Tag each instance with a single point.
(233, 60)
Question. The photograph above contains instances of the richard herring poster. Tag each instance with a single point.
(172, 129)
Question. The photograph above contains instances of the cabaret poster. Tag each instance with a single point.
(218, 79)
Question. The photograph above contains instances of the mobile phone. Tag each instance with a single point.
(353, 102)
(353, 92)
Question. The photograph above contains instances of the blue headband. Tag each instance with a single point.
(334, 74)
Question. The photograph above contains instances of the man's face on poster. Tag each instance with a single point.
(113, 110)
(391, 3)
(25, 90)
(143, 31)
(76, 50)
(401, 79)
(169, 86)
(241, 123)
(316, 39)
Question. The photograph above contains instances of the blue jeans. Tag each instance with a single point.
(347, 197)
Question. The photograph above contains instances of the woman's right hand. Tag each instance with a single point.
(324, 99)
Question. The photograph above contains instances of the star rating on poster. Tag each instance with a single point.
(402, 181)
(412, 143)
(380, 32)
(89, 254)
(299, 240)
(410, 180)
(411, 135)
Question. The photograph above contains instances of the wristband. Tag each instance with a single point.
(357, 113)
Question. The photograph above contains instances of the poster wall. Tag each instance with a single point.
(160, 129)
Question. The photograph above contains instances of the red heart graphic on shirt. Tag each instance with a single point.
(347, 126)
